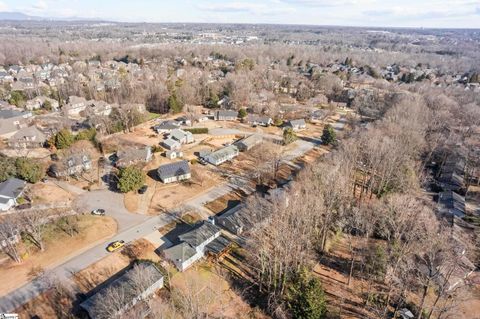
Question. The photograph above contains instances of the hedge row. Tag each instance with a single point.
(197, 130)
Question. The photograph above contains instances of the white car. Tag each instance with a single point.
(98, 212)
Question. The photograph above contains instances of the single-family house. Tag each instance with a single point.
(452, 174)
(12, 120)
(232, 220)
(259, 120)
(249, 142)
(171, 145)
(133, 156)
(134, 285)
(174, 172)
(225, 115)
(173, 154)
(10, 191)
(297, 125)
(72, 165)
(75, 105)
(29, 137)
(166, 127)
(100, 108)
(192, 246)
(5, 77)
(41, 101)
(181, 136)
(451, 205)
(222, 155)
(183, 120)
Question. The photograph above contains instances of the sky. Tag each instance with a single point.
(387, 13)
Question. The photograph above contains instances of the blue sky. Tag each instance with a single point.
(406, 13)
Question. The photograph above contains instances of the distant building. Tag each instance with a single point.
(12, 120)
(192, 246)
(222, 155)
(166, 127)
(10, 191)
(297, 125)
(39, 102)
(75, 105)
(173, 154)
(249, 142)
(29, 137)
(259, 120)
(225, 115)
(174, 172)
(232, 220)
(130, 286)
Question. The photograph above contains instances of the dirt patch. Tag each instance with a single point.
(214, 294)
(47, 193)
(224, 202)
(59, 248)
(131, 201)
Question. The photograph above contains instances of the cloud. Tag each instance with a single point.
(245, 7)
(3, 6)
(328, 3)
(41, 5)
(420, 12)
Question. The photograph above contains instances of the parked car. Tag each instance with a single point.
(143, 189)
(98, 212)
(113, 246)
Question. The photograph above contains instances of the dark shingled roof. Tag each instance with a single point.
(199, 234)
(173, 169)
(126, 283)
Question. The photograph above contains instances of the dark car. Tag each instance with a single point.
(143, 189)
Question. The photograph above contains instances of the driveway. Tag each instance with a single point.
(113, 205)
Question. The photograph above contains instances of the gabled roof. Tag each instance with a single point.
(127, 285)
(8, 114)
(174, 169)
(180, 253)
(28, 133)
(179, 134)
(226, 113)
(299, 122)
(12, 188)
(224, 152)
(171, 143)
(199, 234)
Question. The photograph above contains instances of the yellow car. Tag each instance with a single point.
(115, 245)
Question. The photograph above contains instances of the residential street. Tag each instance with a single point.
(130, 227)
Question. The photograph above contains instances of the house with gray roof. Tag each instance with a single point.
(12, 120)
(128, 284)
(29, 137)
(166, 126)
(171, 144)
(297, 125)
(174, 172)
(451, 205)
(75, 105)
(232, 220)
(192, 246)
(225, 115)
(222, 155)
(183, 137)
(133, 156)
(10, 191)
(73, 165)
(254, 119)
(249, 142)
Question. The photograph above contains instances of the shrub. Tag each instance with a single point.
(289, 136)
(29, 170)
(197, 130)
(130, 179)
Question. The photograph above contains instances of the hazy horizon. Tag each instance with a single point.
(353, 13)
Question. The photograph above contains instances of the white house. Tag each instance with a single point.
(182, 136)
(192, 245)
(10, 191)
(171, 144)
(222, 155)
(174, 172)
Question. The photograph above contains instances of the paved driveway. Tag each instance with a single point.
(113, 205)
